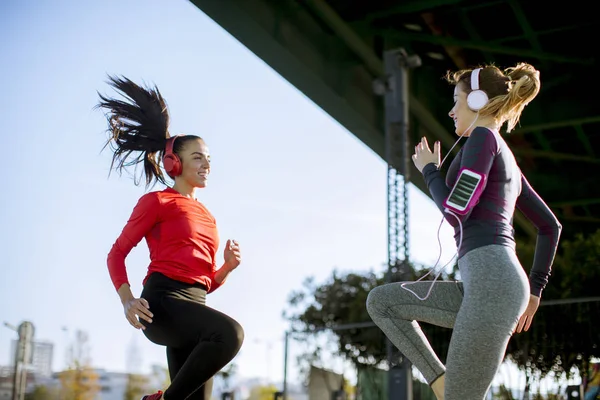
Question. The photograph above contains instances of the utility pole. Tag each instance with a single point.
(23, 358)
(285, 364)
(394, 89)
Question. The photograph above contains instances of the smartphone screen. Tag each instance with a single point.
(463, 190)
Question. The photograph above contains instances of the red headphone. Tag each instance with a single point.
(171, 161)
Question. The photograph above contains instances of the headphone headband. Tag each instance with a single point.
(477, 98)
(170, 143)
(475, 79)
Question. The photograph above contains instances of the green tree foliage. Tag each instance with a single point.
(262, 393)
(563, 335)
(79, 381)
(136, 387)
(42, 392)
(342, 300)
(226, 374)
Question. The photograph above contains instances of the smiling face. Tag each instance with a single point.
(461, 113)
(195, 160)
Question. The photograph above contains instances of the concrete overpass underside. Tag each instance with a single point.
(332, 50)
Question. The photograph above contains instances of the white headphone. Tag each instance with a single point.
(477, 98)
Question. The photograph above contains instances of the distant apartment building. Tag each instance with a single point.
(41, 362)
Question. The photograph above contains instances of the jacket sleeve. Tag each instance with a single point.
(548, 228)
(141, 221)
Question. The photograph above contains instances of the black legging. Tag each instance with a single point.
(200, 341)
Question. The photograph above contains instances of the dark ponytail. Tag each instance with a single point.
(139, 123)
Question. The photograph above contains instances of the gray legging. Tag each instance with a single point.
(483, 311)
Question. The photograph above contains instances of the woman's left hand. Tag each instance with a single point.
(232, 255)
(527, 317)
(424, 156)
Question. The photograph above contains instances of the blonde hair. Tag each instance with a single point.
(509, 91)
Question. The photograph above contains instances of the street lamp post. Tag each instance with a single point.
(23, 357)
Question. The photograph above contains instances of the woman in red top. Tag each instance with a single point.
(182, 238)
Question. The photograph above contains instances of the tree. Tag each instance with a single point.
(262, 393)
(137, 384)
(160, 374)
(342, 300)
(136, 387)
(225, 375)
(79, 381)
(503, 394)
(563, 336)
(41, 392)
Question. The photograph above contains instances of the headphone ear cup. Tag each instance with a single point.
(176, 165)
(172, 165)
(477, 99)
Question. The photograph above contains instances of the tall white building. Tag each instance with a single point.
(41, 362)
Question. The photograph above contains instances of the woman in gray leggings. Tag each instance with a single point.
(495, 297)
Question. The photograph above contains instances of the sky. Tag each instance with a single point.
(298, 191)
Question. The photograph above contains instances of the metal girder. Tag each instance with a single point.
(407, 7)
(555, 155)
(483, 4)
(585, 141)
(483, 46)
(375, 65)
(288, 46)
(542, 140)
(572, 203)
(567, 213)
(530, 34)
(577, 218)
(474, 35)
(556, 81)
(541, 33)
(555, 124)
(455, 53)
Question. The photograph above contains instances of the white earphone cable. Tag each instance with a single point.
(404, 284)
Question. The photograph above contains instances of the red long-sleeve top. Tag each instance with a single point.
(181, 235)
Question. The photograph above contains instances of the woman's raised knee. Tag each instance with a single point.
(374, 300)
(235, 336)
(240, 335)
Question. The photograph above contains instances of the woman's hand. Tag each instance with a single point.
(424, 156)
(137, 308)
(232, 255)
(527, 317)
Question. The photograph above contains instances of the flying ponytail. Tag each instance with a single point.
(139, 123)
